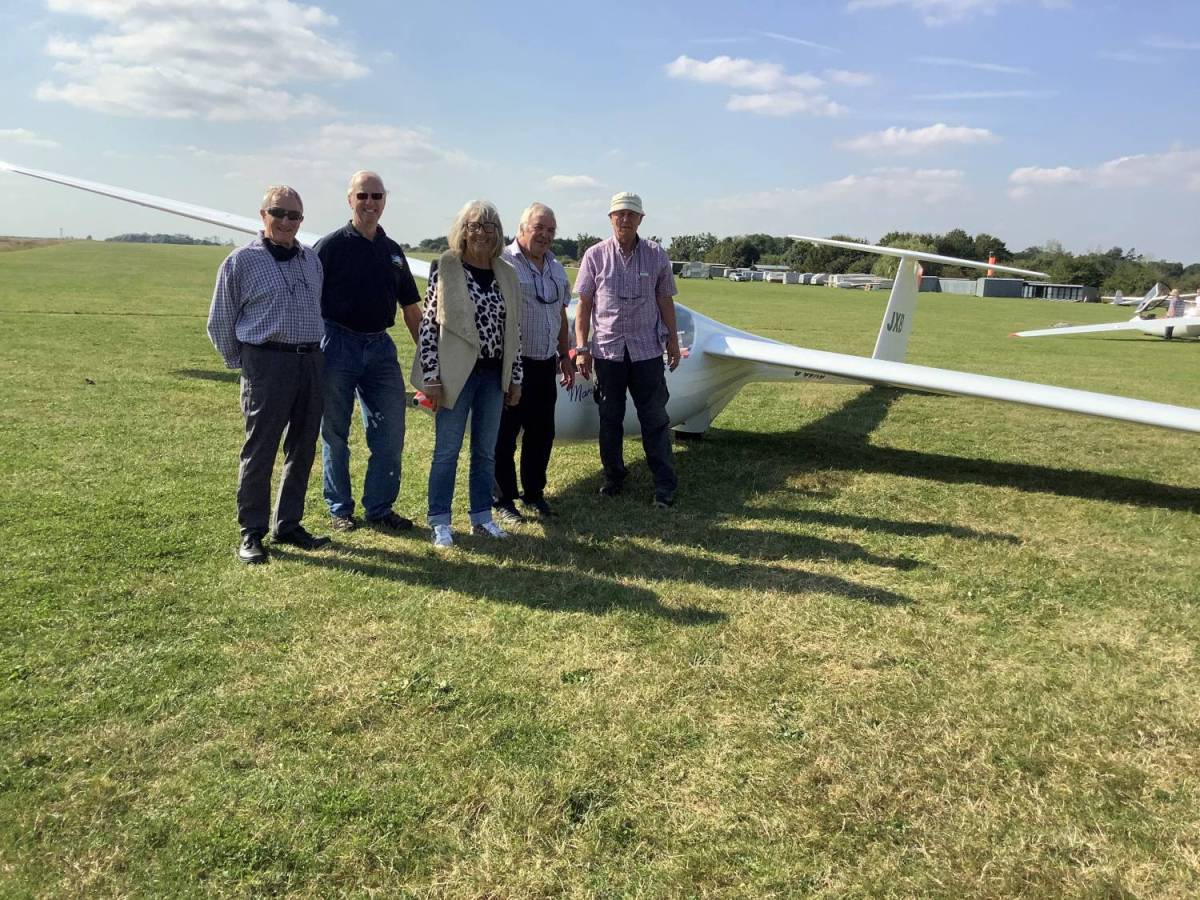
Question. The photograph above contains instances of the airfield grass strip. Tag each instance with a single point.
(888, 644)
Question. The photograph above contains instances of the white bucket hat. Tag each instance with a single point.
(626, 200)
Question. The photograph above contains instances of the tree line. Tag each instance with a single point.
(1110, 270)
(143, 238)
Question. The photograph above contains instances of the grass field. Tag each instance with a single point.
(886, 645)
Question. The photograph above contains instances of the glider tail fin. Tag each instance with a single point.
(892, 342)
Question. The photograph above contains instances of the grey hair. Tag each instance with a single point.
(363, 175)
(535, 209)
(483, 211)
(275, 191)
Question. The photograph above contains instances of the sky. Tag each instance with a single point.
(1033, 120)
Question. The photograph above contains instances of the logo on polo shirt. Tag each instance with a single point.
(398, 261)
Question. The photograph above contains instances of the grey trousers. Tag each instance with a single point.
(281, 399)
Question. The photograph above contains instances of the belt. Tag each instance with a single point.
(280, 347)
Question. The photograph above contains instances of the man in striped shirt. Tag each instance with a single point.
(545, 295)
(265, 319)
(626, 301)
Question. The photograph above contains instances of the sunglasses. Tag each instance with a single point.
(363, 195)
(481, 228)
(276, 212)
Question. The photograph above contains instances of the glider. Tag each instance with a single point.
(719, 360)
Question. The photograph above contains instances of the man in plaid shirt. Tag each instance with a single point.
(265, 319)
(626, 300)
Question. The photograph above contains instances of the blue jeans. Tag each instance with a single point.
(483, 400)
(364, 365)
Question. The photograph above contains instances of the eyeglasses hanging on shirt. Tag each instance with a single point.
(537, 290)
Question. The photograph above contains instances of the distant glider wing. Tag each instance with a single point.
(1080, 329)
(816, 364)
(247, 224)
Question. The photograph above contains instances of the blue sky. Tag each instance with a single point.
(1033, 120)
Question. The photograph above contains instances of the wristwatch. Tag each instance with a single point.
(583, 349)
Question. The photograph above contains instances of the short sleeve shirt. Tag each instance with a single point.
(625, 293)
(364, 280)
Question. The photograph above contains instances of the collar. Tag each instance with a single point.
(515, 249)
(351, 231)
(278, 252)
(617, 244)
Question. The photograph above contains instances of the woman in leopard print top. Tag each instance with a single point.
(472, 293)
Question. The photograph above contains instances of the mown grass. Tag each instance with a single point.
(887, 645)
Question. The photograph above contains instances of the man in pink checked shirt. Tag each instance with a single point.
(626, 302)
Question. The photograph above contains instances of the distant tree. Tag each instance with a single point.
(1129, 277)
(691, 247)
(565, 248)
(806, 257)
(144, 238)
(584, 240)
(740, 253)
(683, 247)
(886, 266)
(986, 245)
(434, 245)
(1083, 270)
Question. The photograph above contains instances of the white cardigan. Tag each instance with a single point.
(458, 338)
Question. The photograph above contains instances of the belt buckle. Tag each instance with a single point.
(303, 348)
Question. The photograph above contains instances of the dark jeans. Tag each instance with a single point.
(647, 383)
(534, 414)
(362, 366)
(281, 392)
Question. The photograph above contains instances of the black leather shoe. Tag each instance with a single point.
(299, 537)
(539, 506)
(252, 552)
(611, 488)
(391, 522)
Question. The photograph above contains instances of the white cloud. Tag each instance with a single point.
(740, 73)
(1174, 168)
(953, 62)
(336, 150)
(905, 185)
(408, 147)
(850, 79)
(216, 60)
(570, 182)
(26, 138)
(904, 140)
(775, 91)
(784, 103)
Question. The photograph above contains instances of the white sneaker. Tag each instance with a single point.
(442, 536)
(491, 529)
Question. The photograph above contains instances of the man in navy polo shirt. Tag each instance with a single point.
(366, 278)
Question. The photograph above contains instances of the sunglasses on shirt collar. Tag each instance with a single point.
(276, 212)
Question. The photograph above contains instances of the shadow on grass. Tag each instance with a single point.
(840, 441)
(534, 586)
(599, 544)
(207, 374)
